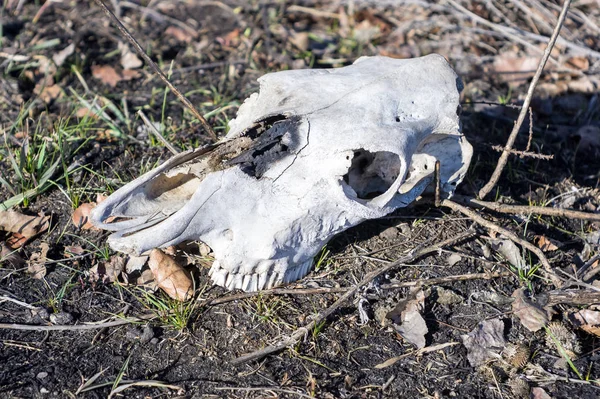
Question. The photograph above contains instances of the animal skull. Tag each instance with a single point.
(313, 153)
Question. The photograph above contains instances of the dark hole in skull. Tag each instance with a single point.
(372, 173)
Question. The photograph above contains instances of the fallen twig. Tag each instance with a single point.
(301, 332)
(447, 279)
(77, 327)
(508, 234)
(526, 209)
(417, 352)
(525, 108)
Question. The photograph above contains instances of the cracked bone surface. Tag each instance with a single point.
(313, 153)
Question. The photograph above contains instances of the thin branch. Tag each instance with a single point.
(508, 234)
(447, 279)
(525, 209)
(525, 108)
(140, 51)
(77, 327)
(301, 332)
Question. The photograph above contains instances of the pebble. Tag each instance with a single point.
(389, 234)
(61, 318)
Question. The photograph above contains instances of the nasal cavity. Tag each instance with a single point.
(372, 173)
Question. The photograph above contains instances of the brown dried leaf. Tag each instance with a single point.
(11, 256)
(106, 74)
(532, 317)
(544, 243)
(85, 112)
(129, 74)
(35, 265)
(23, 225)
(81, 216)
(179, 34)
(74, 250)
(48, 93)
(587, 320)
(484, 342)
(170, 276)
(108, 271)
(408, 320)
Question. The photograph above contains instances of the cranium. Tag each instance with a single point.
(313, 153)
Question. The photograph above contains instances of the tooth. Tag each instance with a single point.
(230, 279)
(272, 277)
(254, 282)
(262, 279)
(237, 281)
(246, 283)
(219, 277)
(215, 266)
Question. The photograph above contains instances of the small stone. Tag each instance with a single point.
(389, 234)
(147, 335)
(453, 259)
(44, 391)
(61, 318)
(154, 341)
(133, 333)
(404, 229)
(41, 375)
(448, 297)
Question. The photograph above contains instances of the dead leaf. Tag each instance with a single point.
(129, 74)
(129, 59)
(16, 240)
(106, 74)
(544, 243)
(510, 252)
(81, 216)
(45, 66)
(60, 57)
(75, 250)
(35, 265)
(485, 342)
(408, 321)
(11, 256)
(48, 93)
(514, 69)
(173, 279)
(107, 271)
(532, 317)
(587, 320)
(25, 226)
(539, 393)
(85, 112)
(179, 34)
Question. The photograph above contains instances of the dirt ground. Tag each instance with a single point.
(70, 91)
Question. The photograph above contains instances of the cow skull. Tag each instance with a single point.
(313, 153)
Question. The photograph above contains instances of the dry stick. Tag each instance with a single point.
(525, 209)
(301, 332)
(447, 279)
(156, 69)
(337, 290)
(510, 235)
(77, 327)
(525, 108)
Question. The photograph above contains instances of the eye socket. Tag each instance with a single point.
(372, 173)
(397, 119)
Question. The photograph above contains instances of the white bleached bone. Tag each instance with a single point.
(313, 153)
